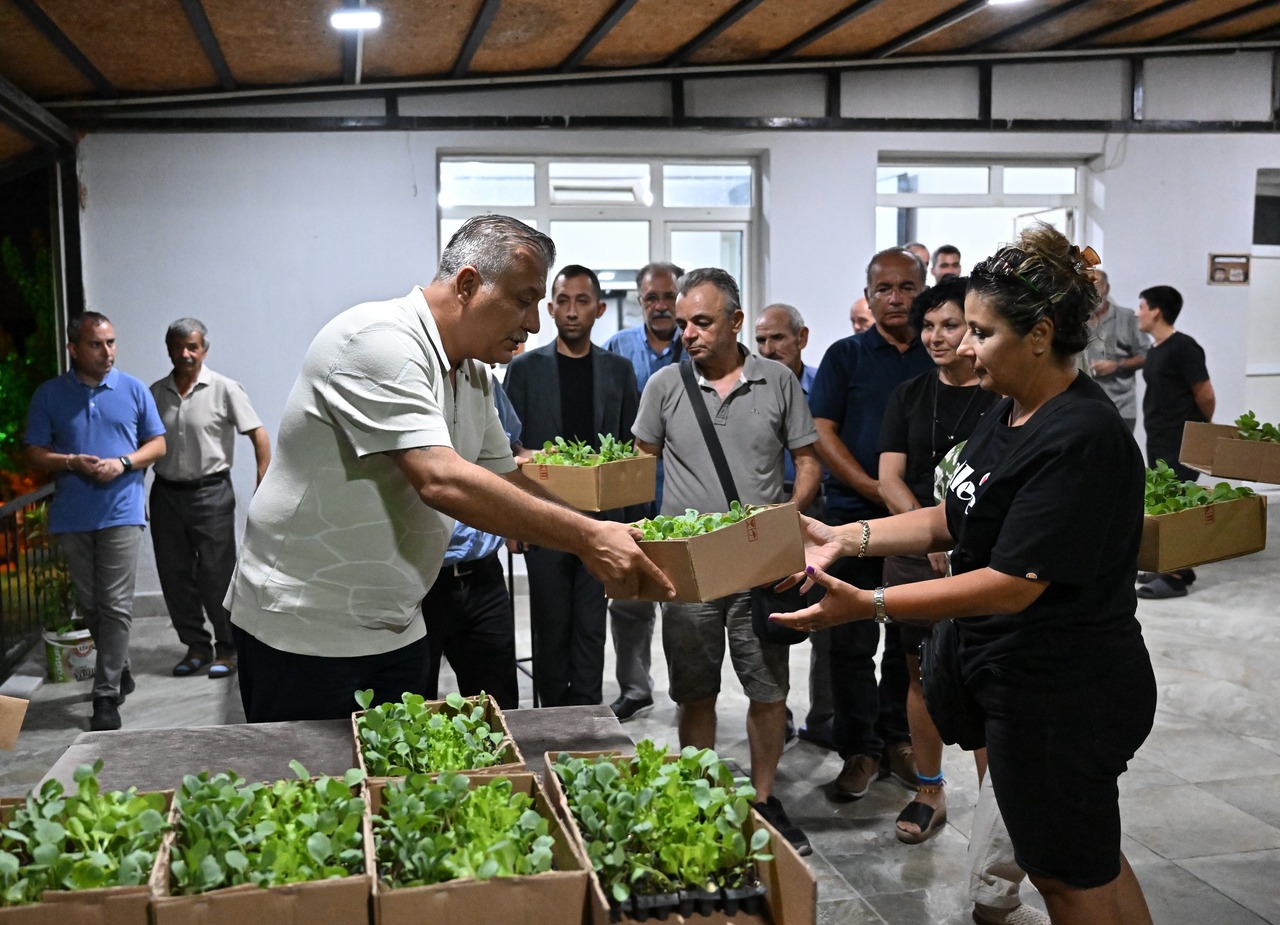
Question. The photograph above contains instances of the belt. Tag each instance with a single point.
(460, 570)
(207, 481)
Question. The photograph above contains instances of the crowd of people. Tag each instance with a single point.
(965, 460)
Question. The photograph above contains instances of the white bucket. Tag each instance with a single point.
(69, 656)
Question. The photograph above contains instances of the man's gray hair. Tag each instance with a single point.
(659, 266)
(897, 252)
(795, 320)
(184, 328)
(489, 243)
(77, 324)
(717, 277)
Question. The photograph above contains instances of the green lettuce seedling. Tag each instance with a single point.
(563, 452)
(1249, 428)
(1165, 493)
(398, 739)
(691, 523)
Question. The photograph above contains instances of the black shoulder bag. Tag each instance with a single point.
(764, 600)
(955, 712)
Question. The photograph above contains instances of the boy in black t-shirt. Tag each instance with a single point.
(1178, 390)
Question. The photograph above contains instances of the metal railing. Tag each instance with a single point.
(23, 557)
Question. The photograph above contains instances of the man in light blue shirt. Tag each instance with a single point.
(468, 611)
(650, 347)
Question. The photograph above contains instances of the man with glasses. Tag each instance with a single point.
(650, 347)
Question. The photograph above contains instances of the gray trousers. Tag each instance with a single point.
(631, 623)
(193, 531)
(103, 565)
(994, 876)
(821, 710)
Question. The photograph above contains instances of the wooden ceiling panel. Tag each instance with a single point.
(767, 28)
(411, 45)
(653, 30)
(1238, 28)
(277, 41)
(1161, 24)
(30, 61)
(13, 143)
(974, 29)
(529, 35)
(1074, 23)
(877, 26)
(138, 45)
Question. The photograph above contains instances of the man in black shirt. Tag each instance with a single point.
(1178, 390)
(573, 389)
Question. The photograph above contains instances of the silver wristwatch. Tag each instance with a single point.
(877, 601)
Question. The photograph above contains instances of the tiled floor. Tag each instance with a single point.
(1201, 802)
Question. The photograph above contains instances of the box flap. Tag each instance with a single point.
(12, 712)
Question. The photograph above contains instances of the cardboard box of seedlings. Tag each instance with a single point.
(1199, 535)
(791, 890)
(341, 901)
(121, 905)
(764, 547)
(1217, 449)
(554, 897)
(604, 487)
(510, 761)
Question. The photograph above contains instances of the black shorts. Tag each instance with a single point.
(905, 570)
(1055, 752)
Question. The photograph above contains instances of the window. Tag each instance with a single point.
(615, 215)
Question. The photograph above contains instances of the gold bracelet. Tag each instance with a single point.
(866, 538)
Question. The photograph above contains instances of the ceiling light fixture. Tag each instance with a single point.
(1004, 2)
(355, 19)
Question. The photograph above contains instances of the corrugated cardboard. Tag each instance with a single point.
(765, 547)
(12, 711)
(557, 897)
(792, 890)
(1203, 534)
(344, 901)
(610, 485)
(121, 905)
(1217, 449)
(510, 759)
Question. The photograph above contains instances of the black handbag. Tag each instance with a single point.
(955, 713)
(764, 599)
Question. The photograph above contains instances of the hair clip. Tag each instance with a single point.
(1002, 267)
(1084, 260)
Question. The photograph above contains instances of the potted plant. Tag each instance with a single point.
(68, 645)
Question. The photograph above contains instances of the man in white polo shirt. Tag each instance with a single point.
(390, 432)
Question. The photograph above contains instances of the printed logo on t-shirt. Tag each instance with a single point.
(963, 486)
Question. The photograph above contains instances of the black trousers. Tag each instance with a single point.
(471, 623)
(868, 715)
(568, 610)
(277, 686)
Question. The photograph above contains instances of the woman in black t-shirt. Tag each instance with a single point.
(1045, 516)
(926, 417)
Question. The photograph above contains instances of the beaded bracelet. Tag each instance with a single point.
(866, 538)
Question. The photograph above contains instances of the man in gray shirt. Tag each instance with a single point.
(1116, 351)
(759, 411)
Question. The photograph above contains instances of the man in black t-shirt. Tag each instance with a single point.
(1178, 390)
(573, 389)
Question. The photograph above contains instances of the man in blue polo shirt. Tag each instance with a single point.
(96, 429)
(848, 400)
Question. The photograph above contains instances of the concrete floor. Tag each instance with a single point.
(1200, 804)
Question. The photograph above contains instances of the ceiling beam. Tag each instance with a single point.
(707, 35)
(33, 120)
(826, 27)
(932, 27)
(351, 54)
(596, 35)
(484, 19)
(209, 42)
(1218, 20)
(1265, 34)
(1024, 26)
(1123, 22)
(49, 29)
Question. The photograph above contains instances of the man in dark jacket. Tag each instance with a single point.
(573, 389)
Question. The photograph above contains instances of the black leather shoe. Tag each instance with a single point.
(106, 715)
(626, 708)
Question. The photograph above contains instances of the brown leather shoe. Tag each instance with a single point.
(855, 777)
(899, 762)
(222, 667)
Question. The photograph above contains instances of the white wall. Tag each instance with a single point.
(266, 236)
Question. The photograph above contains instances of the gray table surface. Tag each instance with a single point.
(156, 759)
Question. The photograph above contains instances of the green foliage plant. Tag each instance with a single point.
(653, 825)
(1250, 428)
(432, 831)
(691, 523)
(1166, 493)
(50, 577)
(561, 452)
(414, 736)
(82, 840)
(230, 832)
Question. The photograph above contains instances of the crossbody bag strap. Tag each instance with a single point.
(709, 432)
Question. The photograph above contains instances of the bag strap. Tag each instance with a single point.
(708, 432)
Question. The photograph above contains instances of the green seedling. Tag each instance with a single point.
(563, 452)
(691, 523)
(1249, 428)
(399, 739)
(1166, 493)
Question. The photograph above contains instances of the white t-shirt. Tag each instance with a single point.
(339, 549)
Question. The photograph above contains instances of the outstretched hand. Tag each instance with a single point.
(821, 548)
(843, 603)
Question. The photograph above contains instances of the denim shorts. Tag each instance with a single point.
(693, 639)
(1056, 751)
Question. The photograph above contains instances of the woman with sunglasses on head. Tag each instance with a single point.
(1045, 517)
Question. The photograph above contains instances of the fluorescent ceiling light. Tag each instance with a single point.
(356, 19)
(1003, 2)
